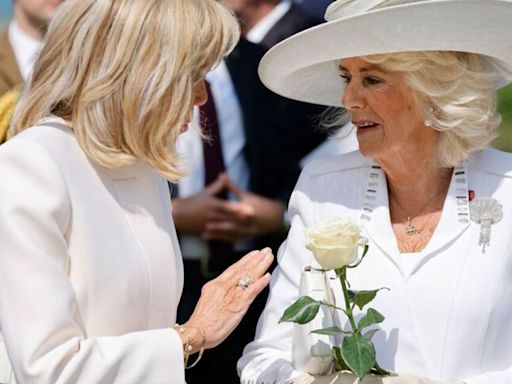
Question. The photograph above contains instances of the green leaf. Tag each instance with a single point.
(369, 335)
(332, 331)
(371, 317)
(339, 363)
(361, 298)
(302, 311)
(359, 354)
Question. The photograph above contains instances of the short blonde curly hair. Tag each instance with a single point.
(456, 93)
(123, 73)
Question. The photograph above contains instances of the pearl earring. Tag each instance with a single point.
(428, 123)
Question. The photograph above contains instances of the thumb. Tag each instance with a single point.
(234, 189)
(217, 186)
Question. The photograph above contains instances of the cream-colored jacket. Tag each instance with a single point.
(90, 269)
(448, 311)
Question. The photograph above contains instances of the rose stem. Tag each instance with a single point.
(342, 274)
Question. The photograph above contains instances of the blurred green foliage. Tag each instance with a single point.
(504, 141)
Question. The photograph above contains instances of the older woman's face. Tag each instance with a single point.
(383, 109)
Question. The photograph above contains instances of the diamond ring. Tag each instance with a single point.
(244, 282)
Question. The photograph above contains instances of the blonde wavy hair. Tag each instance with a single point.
(123, 73)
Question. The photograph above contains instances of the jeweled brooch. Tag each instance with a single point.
(485, 211)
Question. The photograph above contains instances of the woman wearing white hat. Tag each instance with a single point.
(419, 80)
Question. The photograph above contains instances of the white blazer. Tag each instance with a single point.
(449, 308)
(90, 268)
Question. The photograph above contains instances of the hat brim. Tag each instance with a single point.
(305, 66)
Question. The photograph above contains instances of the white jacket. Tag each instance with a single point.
(90, 268)
(448, 315)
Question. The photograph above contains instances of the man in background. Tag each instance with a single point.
(234, 195)
(21, 41)
(315, 9)
(19, 46)
(257, 139)
(267, 22)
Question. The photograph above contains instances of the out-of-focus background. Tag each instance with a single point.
(5, 12)
(503, 142)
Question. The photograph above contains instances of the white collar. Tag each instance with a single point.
(25, 48)
(262, 27)
(375, 217)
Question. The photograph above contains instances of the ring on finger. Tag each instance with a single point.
(244, 282)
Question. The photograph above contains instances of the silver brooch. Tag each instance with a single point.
(485, 211)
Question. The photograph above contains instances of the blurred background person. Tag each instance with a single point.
(315, 9)
(19, 45)
(267, 22)
(234, 195)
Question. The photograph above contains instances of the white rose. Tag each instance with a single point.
(334, 241)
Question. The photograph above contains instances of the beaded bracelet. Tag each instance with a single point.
(187, 347)
(201, 351)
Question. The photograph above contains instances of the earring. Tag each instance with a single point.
(430, 111)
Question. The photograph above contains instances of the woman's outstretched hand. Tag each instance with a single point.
(225, 300)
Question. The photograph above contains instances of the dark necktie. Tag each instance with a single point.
(220, 251)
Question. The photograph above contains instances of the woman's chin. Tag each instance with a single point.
(370, 148)
(366, 152)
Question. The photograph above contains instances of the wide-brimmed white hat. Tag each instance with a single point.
(305, 66)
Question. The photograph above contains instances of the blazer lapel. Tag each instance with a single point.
(292, 22)
(377, 223)
(455, 216)
(10, 75)
(375, 216)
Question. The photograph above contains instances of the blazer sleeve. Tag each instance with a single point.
(268, 360)
(39, 313)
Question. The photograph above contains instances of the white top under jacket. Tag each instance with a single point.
(90, 268)
(449, 317)
(25, 47)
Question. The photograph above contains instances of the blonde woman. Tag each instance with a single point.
(90, 267)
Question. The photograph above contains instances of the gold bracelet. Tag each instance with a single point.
(201, 351)
(187, 347)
